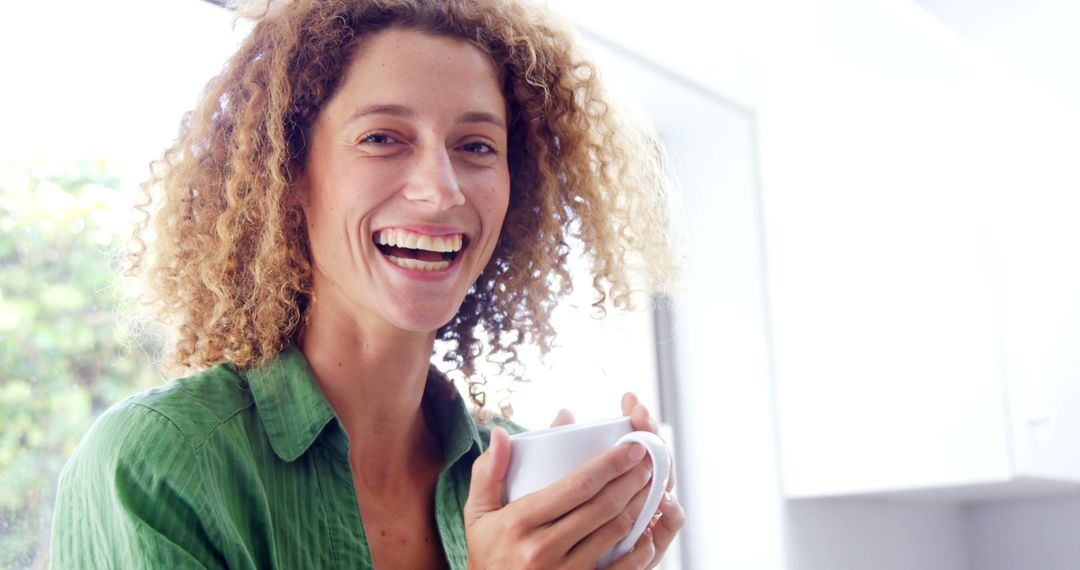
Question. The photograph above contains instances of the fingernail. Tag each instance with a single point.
(636, 452)
(667, 497)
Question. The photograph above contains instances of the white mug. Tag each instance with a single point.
(540, 458)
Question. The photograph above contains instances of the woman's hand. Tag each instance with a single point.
(645, 553)
(573, 522)
(567, 525)
(670, 517)
(563, 418)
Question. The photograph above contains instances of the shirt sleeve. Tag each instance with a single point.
(129, 497)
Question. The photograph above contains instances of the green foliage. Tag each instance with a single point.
(64, 354)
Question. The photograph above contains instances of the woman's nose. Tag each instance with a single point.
(433, 180)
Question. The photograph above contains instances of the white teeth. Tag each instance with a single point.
(417, 264)
(402, 238)
(448, 243)
(387, 237)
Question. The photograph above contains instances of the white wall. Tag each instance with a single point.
(711, 42)
(1022, 535)
(1038, 37)
(865, 535)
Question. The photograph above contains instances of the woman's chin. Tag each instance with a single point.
(416, 319)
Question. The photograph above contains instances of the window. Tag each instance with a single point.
(92, 96)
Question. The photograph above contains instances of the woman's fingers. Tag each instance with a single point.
(488, 474)
(672, 518)
(642, 420)
(564, 417)
(671, 476)
(609, 533)
(650, 549)
(581, 485)
(642, 556)
(616, 506)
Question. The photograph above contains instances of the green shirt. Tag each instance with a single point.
(239, 469)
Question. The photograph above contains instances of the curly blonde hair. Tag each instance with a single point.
(225, 250)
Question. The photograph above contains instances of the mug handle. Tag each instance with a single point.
(661, 460)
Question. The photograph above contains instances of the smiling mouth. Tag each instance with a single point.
(412, 250)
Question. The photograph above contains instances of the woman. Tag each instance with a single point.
(363, 178)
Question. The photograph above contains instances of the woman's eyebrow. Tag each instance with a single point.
(382, 109)
(407, 113)
(482, 117)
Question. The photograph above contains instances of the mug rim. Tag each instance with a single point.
(569, 427)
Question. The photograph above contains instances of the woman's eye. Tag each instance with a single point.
(377, 138)
(479, 148)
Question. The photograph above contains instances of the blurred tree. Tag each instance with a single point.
(65, 356)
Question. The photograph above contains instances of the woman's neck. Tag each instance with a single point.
(374, 380)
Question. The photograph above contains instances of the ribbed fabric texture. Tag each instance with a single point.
(244, 470)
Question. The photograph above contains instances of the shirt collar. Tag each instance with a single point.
(449, 417)
(294, 411)
(290, 403)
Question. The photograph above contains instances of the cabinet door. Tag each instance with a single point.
(1036, 237)
(884, 319)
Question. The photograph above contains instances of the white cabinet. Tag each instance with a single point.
(1036, 240)
(924, 290)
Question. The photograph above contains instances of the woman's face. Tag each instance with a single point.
(406, 182)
